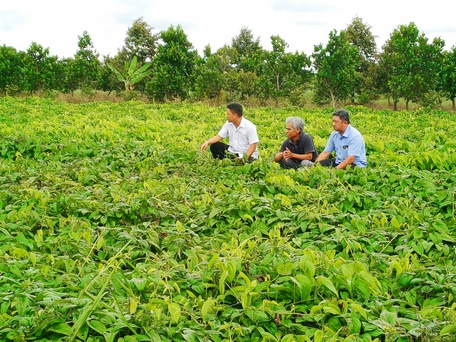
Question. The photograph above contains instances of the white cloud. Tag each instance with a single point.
(56, 24)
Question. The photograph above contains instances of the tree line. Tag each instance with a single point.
(164, 67)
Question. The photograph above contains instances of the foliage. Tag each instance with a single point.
(131, 75)
(38, 69)
(86, 67)
(210, 77)
(10, 66)
(283, 71)
(448, 75)
(173, 68)
(140, 42)
(249, 52)
(360, 35)
(412, 63)
(335, 65)
(115, 228)
(347, 69)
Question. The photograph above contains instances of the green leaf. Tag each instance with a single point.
(222, 281)
(207, 305)
(447, 329)
(175, 312)
(389, 317)
(355, 325)
(97, 326)
(61, 328)
(304, 284)
(322, 280)
(285, 268)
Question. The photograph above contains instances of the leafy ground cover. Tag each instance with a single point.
(114, 227)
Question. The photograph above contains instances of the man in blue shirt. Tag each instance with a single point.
(348, 143)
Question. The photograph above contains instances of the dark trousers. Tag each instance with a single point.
(332, 163)
(290, 164)
(219, 150)
(328, 162)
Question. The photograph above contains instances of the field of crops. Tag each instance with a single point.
(114, 227)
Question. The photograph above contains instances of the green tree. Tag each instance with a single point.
(335, 67)
(448, 75)
(139, 42)
(411, 64)
(249, 52)
(68, 79)
(359, 35)
(131, 74)
(11, 64)
(210, 76)
(107, 80)
(86, 66)
(38, 69)
(173, 68)
(282, 71)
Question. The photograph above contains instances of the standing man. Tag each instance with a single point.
(298, 150)
(242, 135)
(348, 143)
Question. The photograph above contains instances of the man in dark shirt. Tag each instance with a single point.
(298, 150)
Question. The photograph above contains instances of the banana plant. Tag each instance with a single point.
(130, 75)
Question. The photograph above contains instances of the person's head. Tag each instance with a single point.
(234, 112)
(341, 119)
(235, 108)
(294, 126)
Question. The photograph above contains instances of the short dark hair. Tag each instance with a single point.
(235, 108)
(343, 114)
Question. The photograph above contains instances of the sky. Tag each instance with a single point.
(57, 24)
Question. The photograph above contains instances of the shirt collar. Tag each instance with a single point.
(241, 124)
(299, 138)
(345, 133)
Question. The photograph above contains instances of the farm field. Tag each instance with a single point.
(114, 227)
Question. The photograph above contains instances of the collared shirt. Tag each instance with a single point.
(351, 143)
(241, 137)
(304, 145)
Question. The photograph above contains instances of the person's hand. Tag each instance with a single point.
(287, 154)
(204, 146)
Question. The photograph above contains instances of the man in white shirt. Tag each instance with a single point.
(242, 136)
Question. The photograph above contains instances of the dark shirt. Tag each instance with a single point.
(304, 145)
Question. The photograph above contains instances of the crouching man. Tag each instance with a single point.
(298, 150)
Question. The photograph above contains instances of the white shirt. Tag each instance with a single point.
(240, 138)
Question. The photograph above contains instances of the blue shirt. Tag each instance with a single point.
(351, 143)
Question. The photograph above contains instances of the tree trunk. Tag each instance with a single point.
(333, 101)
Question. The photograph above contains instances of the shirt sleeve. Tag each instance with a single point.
(252, 135)
(355, 146)
(224, 130)
(308, 144)
(330, 144)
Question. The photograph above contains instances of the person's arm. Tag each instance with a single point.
(251, 149)
(323, 156)
(347, 161)
(213, 140)
(290, 155)
(279, 156)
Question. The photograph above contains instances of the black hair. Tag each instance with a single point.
(235, 108)
(343, 114)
